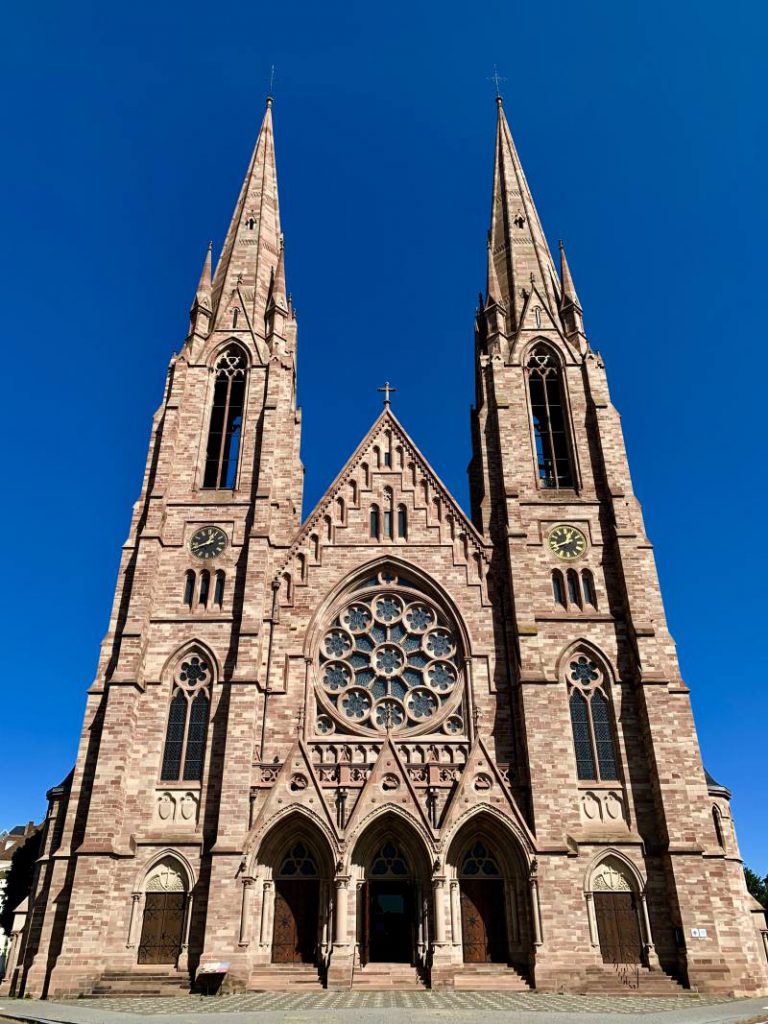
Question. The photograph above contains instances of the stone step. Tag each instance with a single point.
(141, 982)
(285, 978)
(389, 977)
(489, 978)
(629, 980)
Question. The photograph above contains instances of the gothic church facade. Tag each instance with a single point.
(391, 743)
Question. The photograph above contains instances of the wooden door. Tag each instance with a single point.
(294, 938)
(483, 921)
(162, 928)
(618, 928)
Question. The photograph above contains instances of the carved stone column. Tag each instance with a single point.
(650, 948)
(536, 911)
(183, 962)
(136, 898)
(591, 920)
(340, 911)
(245, 913)
(265, 913)
(455, 911)
(438, 885)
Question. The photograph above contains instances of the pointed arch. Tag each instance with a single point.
(488, 871)
(189, 647)
(585, 673)
(293, 820)
(267, 849)
(225, 425)
(180, 861)
(614, 859)
(584, 646)
(192, 677)
(370, 569)
(550, 421)
(391, 821)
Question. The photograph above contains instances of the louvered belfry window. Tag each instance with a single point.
(225, 431)
(553, 450)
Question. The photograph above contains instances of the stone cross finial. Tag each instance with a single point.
(387, 389)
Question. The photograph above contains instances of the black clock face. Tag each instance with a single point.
(567, 542)
(208, 542)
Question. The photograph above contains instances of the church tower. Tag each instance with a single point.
(391, 743)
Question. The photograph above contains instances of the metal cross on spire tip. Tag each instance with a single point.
(496, 78)
(387, 389)
(271, 85)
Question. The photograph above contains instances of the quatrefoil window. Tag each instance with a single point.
(389, 661)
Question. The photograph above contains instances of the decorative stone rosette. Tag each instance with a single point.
(389, 661)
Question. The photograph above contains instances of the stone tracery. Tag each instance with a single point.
(389, 661)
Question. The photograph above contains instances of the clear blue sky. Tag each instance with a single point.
(126, 131)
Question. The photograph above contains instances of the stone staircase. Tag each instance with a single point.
(489, 978)
(631, 979)
(388, 978)
(285, 978)
(141, 982)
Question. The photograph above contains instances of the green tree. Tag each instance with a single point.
(757, 886)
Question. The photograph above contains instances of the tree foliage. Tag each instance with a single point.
(758, 887)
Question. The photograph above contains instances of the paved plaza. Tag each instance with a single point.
(392, 1008)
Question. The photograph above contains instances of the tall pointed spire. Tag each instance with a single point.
(203, 293)
(570, 307)
(252, 247)
(202, 304)
(519, 247)
(569, 291)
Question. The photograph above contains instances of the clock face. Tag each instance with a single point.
(567, 542)
(208, 542)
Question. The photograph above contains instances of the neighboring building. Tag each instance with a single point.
(460, 748)
(10, 842)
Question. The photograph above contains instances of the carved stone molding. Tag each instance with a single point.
(601, 808)
(177, 807)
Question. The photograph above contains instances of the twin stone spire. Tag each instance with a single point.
(250, 273)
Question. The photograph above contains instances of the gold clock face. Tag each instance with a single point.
(208, 542)
(567, 542)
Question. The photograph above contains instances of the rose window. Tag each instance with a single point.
(389, 661)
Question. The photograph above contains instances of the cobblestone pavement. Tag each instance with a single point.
(262, 1001)
(392, 1008)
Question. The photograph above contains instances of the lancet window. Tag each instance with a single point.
(187, 729)
(553, 455)
(225, 431)
(591, 720)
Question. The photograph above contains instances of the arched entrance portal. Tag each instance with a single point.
(490, 895)
(617, 913)
(389, 908)
(297, 898)
(165, 904)
(483, 908)
(392, 868)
